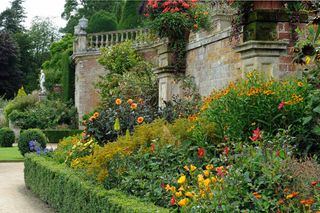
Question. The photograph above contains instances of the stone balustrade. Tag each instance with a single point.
(140, 38)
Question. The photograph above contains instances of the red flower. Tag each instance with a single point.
(281, 105)
(185, 5)
(152, 147)
(162, 185)
(173, 200)
(146, 15)
(166, 9)
(201, 152)
(313, 183)
(226, 150)
(256, 135)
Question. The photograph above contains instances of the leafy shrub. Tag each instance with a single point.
(139, 83)
(158, 132)
(112, 122)
(70, 192)
(257, 103)
(58, 68)
(45, 114)
(65, 147)
(55, 135)
(119, 58)
(7, 137)
(20, 103)
(31, 135)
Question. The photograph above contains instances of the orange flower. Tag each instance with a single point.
(91, 118)
(96, 114)
(307, 202)
(141, 101)
(257, 195)
(134, 106)
(292, 195)
(281, 201)
(195, 26)
(118, 101)
(130, 101)
(84, 122)
(140, 120)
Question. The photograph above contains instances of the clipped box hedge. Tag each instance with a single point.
(55, 135)
(67, 192)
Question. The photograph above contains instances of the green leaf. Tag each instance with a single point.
(316, 130)
(317, 109)
(306, 120)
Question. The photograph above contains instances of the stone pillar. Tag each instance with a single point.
(168, 85)
(87, 72)
(262, 56)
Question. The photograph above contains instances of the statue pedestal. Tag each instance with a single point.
(42, 96)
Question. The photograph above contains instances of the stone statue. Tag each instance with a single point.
(42, 80)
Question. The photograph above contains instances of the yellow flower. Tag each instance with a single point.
(213, 179)
(189, 194)
(200, 178)
(170, 188)
(209, 167)
(181, 188)
(183, 202)
(206, 173)
(207, 182)
(308, 60)
(268, 92)
(178, 194)
(182, 179)
(300, 84)
(192, 168)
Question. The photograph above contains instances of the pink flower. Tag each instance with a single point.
(146, 15)
(281, 105)
(256, 135)
(201, 152)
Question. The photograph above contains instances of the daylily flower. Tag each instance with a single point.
(256, 135)
(183, 202)
(182, 179)
(173, 200)
(292, 195)
(201, 152)
(226, 150)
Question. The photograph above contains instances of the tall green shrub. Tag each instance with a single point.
(7, 137)
(31, 135)
(68, 76)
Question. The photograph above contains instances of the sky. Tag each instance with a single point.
(42, 8)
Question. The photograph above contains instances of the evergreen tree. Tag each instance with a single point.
(10, 74)
(12, 18)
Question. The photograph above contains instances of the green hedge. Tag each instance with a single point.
(55, 135)
(67, 192)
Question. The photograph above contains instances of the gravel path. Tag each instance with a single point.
(14, 197)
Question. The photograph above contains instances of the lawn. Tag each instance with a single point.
(8, 154)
